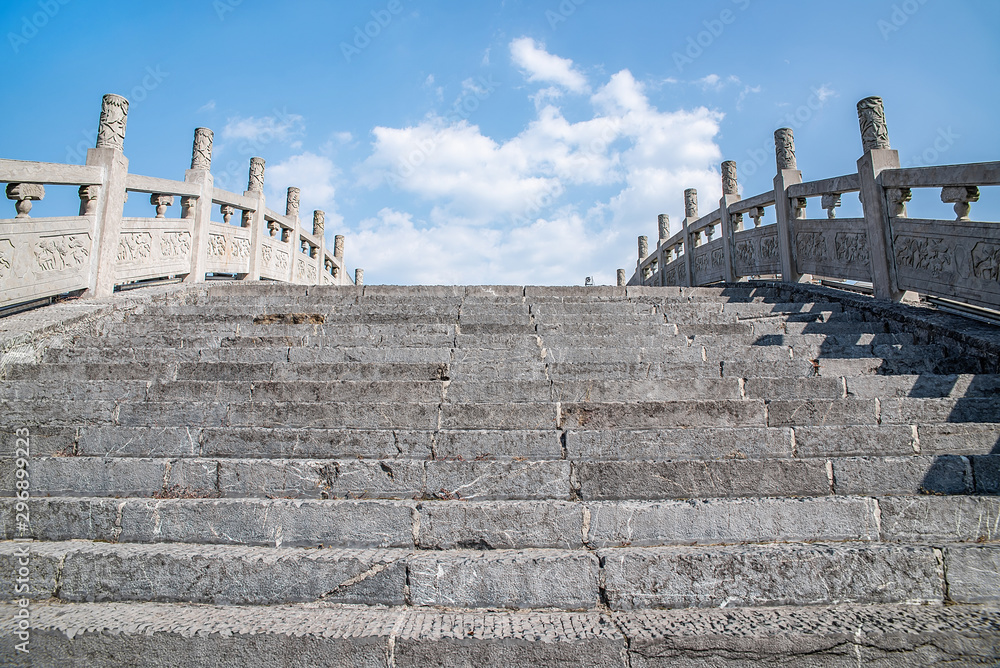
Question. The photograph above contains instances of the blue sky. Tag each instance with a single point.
(500, 141)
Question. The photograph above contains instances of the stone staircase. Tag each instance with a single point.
(273, 475)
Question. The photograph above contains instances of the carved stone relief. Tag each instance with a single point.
(175, 244)
(216, 245)
(784, 149)
(729, 181)
(292, 203)
(986, 261)
(923, 253)
(852, 248)
(266, 255)
(701, 264)
(61, 253)
(241, 248)
(745, 253)
(6, 256)
(810, 246)
(691, 203)
(201, 154)
(256, 183)
(769, 248)
(718, 257)
(134, 246)
(281, 260)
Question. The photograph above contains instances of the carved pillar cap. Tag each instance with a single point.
(691, 203)
(831, 201)
(90, 192)
(338, 246)
(621, 278)
(201, 153)
(292, 203)
(874, 132)
(319, 223)
(359, 277)
(114, 116)
(256, 183)
(664, 223)
(897, 199)
(784, 149)
(643, 248)
(729, 181)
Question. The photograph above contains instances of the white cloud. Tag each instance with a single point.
(208, 106)
(716, 83)
(560, 201)
(824, 93)
(314, 175)
(263, 130)
(745, 93)
(344, 137)
(542, 66)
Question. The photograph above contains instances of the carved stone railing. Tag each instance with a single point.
(953, 259)
(100, 249)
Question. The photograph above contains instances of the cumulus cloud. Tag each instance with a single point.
(314, 175)
(544, 67)
(280, 127)
(560, 201)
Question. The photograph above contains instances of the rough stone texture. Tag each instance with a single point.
(502, 525)
(940, 519)
(973, 574)
(902, 475)
(637, 578)
(505, 579)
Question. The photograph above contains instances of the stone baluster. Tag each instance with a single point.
(161, 202)
(189, 207)
(785, 211)
(89, 196)
(227, 212)
(896, 199)
(800, 204)
(256, 220)
(108, 154)
(878, 157)
(273, 228)
(962, 197)
(23, 195)
(757, 213)
(831, 202)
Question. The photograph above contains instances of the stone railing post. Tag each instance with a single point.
(729, 224)
(878, 157)
(359, 277)
(201, 174)
(690, 215)
(643, 254)
(110, 157)
(338, 247)
(319, 231)
(622, 280)
(255, 189)
(295, 246)
(784, 211)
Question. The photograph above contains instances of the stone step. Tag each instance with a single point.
(487, 478)
(494, 525)
(628, 578)
(128, 635)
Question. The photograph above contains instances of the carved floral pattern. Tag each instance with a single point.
(267, 254)
(175, 244)
(6, 255)
(61, 253)
(114, 114)
(256, 183)
(769, 248)
(784, 149)
(701, 263)
(241, 248)
(201, 154)
(718, 258)
(281, 260)
(923, 254)
(852, 248)
(216, 245)
(810, 246)
(874, 133)
(135, 246)
(745, 253)
(986, 261)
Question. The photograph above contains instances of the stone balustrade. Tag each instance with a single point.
(954, 259)
(100, 249)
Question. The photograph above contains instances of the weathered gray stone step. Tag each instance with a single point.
(407, 478)
(227, 371)
(446, 525)
(628, 578)
(511, 524)
(121, 635)
(666, 337)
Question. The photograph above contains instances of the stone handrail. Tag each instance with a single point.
(99, 249)
(952, 259)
